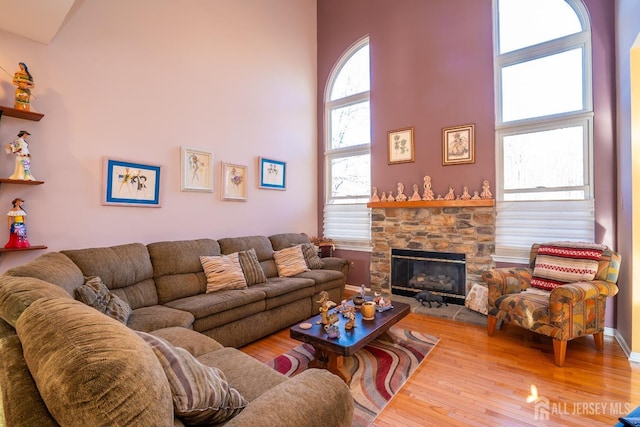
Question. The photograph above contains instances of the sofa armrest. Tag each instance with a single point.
(334, 263)
(576, 298)
(314, 398)
(502, 281)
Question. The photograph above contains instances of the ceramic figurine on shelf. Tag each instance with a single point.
(374, 196)
(20, 147)
(486, 191)
(475, 196)
(23, 81)
(465, 193)
(384, 197)
(401, 197)
(450, 195)
(428, 192)
(17, 227)
(390, 197)
(415, 196)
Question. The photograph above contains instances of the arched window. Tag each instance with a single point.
(347, 219)
(544, 115)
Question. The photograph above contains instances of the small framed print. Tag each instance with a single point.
(458, 145)
(400, 146)
(234, 182)
(131, 184)
(272, 174)
(196, 170)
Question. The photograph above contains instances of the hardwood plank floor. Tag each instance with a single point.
(473, 379)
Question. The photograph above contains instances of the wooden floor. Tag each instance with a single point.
(473, 379)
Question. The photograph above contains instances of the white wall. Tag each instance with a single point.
(136, 80)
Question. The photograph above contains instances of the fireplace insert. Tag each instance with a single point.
(442, 273)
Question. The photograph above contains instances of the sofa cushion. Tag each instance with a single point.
(90, 369)
(125, 269)
(52, 267)
(194, 342)
(565, 262)
(290, 261)
(223, 272)
(251, 268)
(286, 240)
(154, 317)
(95, 294)
(201, 394)
(311, 257)
(261, 244)
(17, 293)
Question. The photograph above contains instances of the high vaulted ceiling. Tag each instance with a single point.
(37, 20)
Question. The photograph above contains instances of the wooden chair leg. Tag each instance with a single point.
(491, 324)
(559, 351)
(598, 338)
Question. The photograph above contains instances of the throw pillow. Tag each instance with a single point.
(290, 261)
(251, 268)
(563, 262)
(201, 394)
(311, 257)
(223, 272)
(95, 293)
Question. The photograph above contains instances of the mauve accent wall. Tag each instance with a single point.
(432, 67)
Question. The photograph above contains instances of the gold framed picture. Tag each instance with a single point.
(400, 146)
(458, 145)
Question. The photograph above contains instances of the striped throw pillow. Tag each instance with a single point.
(201, 394)
(290, 261)
(223, 272)
(253, 272)
(565, 262)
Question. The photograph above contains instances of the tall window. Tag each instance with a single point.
(347, 219)
(544, 124)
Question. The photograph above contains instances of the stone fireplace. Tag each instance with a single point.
(463, 227)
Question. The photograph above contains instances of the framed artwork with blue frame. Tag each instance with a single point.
(272, 174)
(131, 184)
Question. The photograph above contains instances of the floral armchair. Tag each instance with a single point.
(561, 294)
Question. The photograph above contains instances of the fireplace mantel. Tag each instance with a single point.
(434, 204)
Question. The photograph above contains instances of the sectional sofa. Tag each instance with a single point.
(65, 363)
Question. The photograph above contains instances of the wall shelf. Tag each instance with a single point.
(30, 248)
(20, 181)
(20, 114)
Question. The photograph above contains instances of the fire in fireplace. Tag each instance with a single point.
(442, 273)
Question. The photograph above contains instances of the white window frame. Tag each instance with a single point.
(347, 220)
(513, 241)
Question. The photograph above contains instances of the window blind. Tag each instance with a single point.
(519, 224)
(348, 225)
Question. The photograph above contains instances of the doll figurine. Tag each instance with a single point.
(23, 81)
(20, 147)
(17, 227)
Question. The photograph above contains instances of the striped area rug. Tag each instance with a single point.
(378, 370)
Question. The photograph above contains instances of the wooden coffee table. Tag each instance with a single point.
(330, 352)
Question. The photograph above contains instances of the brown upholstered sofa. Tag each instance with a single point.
(64, 363)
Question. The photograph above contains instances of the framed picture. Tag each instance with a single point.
(131, 184)
(400, 146)
(272, 174)
(234, 182)
(196, 170)
(458, 145)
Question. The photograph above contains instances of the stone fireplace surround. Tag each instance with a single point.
(456, 226)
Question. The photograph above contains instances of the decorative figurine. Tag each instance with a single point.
(23, 81)
(384, 197)
(17, 228)
(332, 330)
(475, 196)
(390, 197)
(20, 147)
(374, 196)
(465, 193)
(428, 193)
(325, 306)
(416, 196)
(401, 196)
(450, 195)
(350, 314)
(486, 192)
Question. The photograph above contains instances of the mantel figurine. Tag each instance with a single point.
(20, 147)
